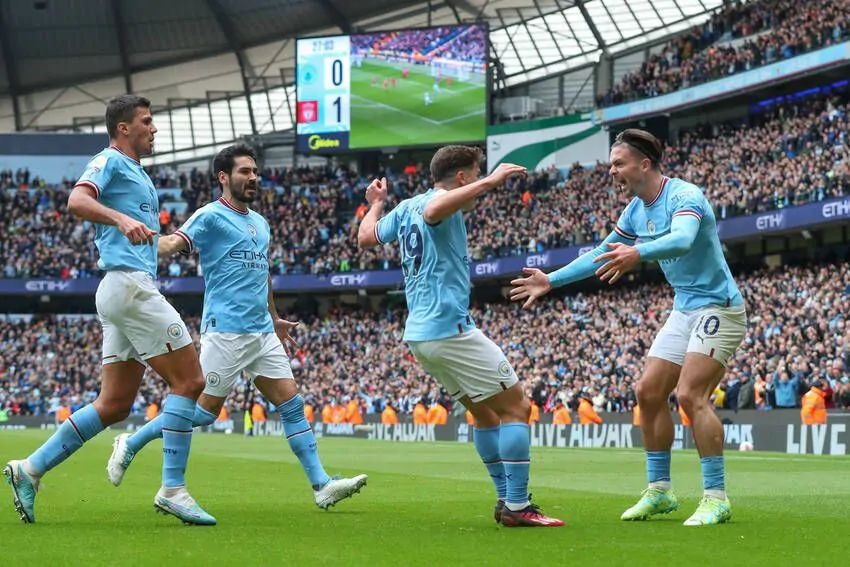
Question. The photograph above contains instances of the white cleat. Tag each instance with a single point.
(338, 489)
(120, 459)
(182, 506)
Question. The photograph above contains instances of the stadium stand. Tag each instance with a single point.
(796, 152)
(738, 38)
(584, 344)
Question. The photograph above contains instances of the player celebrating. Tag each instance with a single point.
(439, 329)
(241, 329)
(139, 325)
(676, 226)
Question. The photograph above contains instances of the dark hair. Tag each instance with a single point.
(226, 158)
(123, 109)
(642, 142)
(449, 159)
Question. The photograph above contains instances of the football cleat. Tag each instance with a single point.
(338, 489)
(711, 511)
(652, 501)
(23, 488)
(530, 517)
(183, 507)
(120, 459)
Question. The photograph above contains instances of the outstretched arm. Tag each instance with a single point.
(621, 259)
(171, 244)
(538, 284)
(448, 203)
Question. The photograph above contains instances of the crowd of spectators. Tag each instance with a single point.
(797, 152)
(461, 43)
(586, 345)
(772, 30)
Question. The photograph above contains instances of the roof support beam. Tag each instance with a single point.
(245, 68)
(596, 35)
(340, 19)
(121, 37)
(11, 70)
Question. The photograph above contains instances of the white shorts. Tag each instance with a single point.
(225, 355)
(714, 331)
(469, 364)
(138, 323)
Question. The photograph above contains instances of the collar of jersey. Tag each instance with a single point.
(123, 154)
(231, 207)
(664, 181)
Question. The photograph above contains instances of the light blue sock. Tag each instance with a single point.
(658, 466)
(487, 445)
(80, 427)
(515, 450)
(301, 440)
(177, 413)
(153, 429)
(713, 473)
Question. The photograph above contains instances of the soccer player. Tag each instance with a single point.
(139, 325)
(676, 227)
(427, 98)
(241, 329)
(439, 330)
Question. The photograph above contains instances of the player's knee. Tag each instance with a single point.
(650, 397)
(111, 411)
(690, 400)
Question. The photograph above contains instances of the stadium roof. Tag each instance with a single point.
(53, 43)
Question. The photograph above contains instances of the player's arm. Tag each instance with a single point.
(282, 327)
(171, 244)
(83, 203)
(678, 242)
(376, 196)
(447, 203)
(538, 284)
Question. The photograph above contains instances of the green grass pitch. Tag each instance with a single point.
(425, 504)
(398, 116)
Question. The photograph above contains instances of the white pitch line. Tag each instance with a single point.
(399, 110)
(461, 117)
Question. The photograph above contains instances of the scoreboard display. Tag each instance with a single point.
(391, 89)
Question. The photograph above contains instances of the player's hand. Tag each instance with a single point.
(135, 231)
(504, 171)
(377, 191)
(618, 260)
(282, 328)
(530, 288)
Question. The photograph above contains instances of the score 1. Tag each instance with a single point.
(337, 83)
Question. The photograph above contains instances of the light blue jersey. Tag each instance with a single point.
(701, 276)
(435, 262)
(234, 248)
(123, 185)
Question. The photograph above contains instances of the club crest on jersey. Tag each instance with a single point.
(252, 232)
(175, 330)
(213, 379)
(650, 226)
(504, 369)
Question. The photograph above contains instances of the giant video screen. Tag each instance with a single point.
(393, 89)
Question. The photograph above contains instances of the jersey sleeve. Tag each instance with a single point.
(195, 230)
(98, 173)
(688, 201)
(386, 229)
(624, 228)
